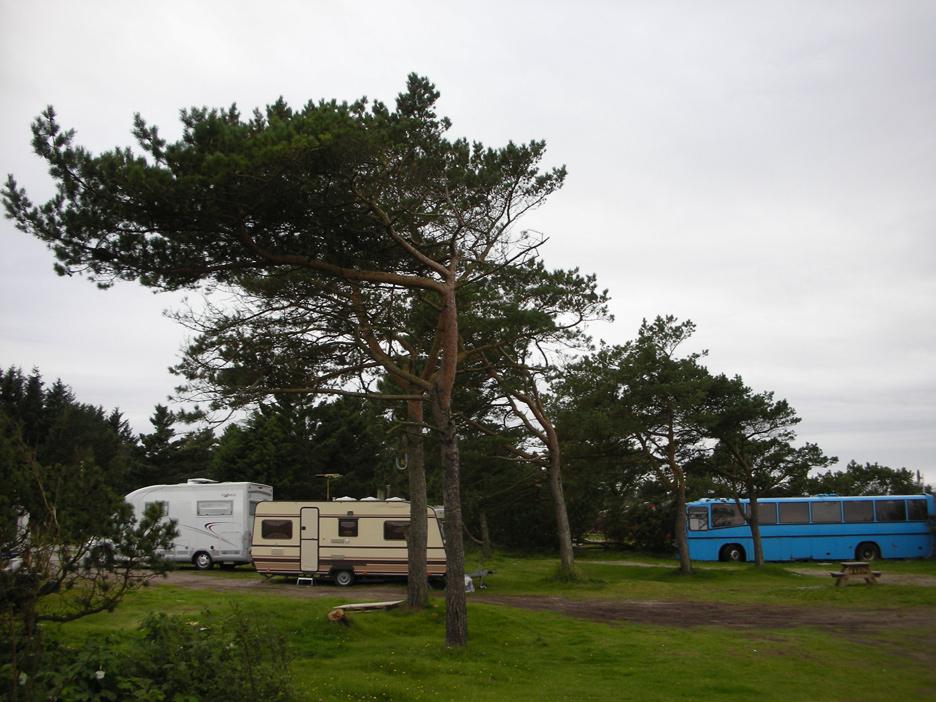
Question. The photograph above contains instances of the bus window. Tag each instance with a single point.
(916, 510)
(766, 512)
(890, 510)
(794, 513)
(726, 516)
(858, 511)
(698, 519)
(826, 512)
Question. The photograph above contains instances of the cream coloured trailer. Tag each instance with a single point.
(342, 539)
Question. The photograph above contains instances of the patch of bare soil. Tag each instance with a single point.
(675, 613)
(865, 626)
(739, 616)
(286, 587)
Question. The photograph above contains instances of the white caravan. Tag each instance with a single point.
(214, 520)
(342, 539)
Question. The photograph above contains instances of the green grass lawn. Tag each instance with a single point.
(517, 654)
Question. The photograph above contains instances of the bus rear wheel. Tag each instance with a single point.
(867, 551)
(732, 552)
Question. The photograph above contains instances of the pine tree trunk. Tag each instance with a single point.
(456, 610)
(487, 549)
(417, 588)
(563, 530)
(685, 564)
(456, 619)
(755, 532)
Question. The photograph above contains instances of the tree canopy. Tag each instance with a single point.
(361, 199)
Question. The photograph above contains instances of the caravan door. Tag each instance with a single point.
(308, 539)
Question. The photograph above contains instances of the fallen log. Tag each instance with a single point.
(340, 613)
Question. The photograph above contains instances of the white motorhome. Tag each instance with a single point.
(214, 519)
(341, 539)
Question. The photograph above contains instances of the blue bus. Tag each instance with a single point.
(822, 527)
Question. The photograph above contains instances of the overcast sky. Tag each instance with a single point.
(766, 169)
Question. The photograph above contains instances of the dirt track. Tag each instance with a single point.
(677, 613)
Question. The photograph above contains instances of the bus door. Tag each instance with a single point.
(309, 539)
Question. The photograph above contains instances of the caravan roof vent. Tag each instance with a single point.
(369, 499)
(345, 499)
(200, 481)
(396, 499)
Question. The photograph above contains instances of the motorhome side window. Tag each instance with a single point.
(395, 531)
(276, 528)
(215, 508)
(347, 526)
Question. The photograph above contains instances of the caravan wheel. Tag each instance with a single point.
(344, 578)
(202, 561)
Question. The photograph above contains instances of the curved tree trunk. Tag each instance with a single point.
(563, 530)
(417, 588)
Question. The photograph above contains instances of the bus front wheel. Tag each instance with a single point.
(867, 552)
(732, 552)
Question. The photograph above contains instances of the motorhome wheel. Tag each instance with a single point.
(344, 578)
(202, 561)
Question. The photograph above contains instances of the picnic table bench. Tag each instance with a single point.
(856, 569)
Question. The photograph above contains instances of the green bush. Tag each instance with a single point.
(213, 657)
(205, 658)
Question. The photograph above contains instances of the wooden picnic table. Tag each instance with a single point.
(856, 569)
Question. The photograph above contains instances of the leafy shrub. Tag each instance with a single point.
(207, 658)
(212, 657)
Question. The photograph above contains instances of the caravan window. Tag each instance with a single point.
(215, 508)
(395, 531)
(276, 528)
(347, 527)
